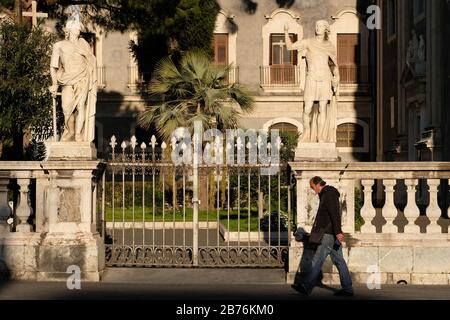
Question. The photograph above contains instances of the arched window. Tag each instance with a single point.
(285, 127)
(350, 135)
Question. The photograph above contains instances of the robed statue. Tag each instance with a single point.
(73, 68)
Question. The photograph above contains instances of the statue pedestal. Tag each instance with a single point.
(317, 152)
(70, 150)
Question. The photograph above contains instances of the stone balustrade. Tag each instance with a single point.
(396, 196)
(404, 236)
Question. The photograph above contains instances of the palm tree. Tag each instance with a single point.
(194, 90)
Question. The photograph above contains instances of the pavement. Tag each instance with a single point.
(203, 285)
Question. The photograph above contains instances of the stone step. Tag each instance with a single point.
(194, 276)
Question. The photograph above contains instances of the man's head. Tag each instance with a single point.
(317, 184)
(322, 28)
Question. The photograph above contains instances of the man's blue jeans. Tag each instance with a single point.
(321, 254)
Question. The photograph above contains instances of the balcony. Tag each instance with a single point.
(136, 79)
(354, 79)
(101, 77)
(280, 78)
(354, 74)
(233, 76)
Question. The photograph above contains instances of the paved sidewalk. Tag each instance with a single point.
(203, 284)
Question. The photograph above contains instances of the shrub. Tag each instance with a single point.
(284, 222)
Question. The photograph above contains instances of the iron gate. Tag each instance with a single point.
(157, 213)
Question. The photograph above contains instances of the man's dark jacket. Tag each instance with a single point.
(328, 218)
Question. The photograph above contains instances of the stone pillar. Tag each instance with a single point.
(5, 210)
(346, 188)
(71, 237)
(302, 202)
(433, 210)
(368, 211)
(23, 209)
(412, 212)
(390, 210)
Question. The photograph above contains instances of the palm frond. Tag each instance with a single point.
(194, 90)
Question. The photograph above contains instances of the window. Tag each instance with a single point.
(350, 135)
(285, 127)
(282, 60)
(419, 10)
(349, 58)
(392, 112)
(392, 18)
(220, 49)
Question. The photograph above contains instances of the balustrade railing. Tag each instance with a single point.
(26, 203)
(280, 75)
(409, 197)
(16, 212)
(101, 77)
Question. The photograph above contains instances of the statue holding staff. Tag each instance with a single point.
(73, 68)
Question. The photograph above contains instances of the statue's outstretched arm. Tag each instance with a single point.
(299, 45)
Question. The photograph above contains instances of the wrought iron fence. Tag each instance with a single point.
(148, 205)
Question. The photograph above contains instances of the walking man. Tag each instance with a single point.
(327, 234)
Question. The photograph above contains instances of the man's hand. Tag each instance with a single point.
(340, 237)
(54, 90)
(335, 84)
(286, 28)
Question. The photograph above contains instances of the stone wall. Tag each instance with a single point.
(55, 224)
(399, 259)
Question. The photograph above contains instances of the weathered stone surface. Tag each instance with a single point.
(69, 205)
(400, 277)
(361, 258)
(429, 279)
(364, 278)
(316, 152)
(431, 260)
(70, 151)
(396, 260)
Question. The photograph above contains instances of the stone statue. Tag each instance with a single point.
(413, 48)
(322, 81)
(74, 68)
(422, 49)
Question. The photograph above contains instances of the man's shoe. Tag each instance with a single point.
(343, 293)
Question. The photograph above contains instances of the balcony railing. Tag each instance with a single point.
(280, 75)
(101, 77)
(233, 76)
(137, 79)
(354, 74)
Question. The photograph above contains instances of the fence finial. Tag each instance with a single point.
(153, 142)
(133, 142)
(113, 142)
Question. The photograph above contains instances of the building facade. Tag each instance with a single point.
(251, 39)
(412, 111)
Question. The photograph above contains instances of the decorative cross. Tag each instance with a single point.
(34, 14)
